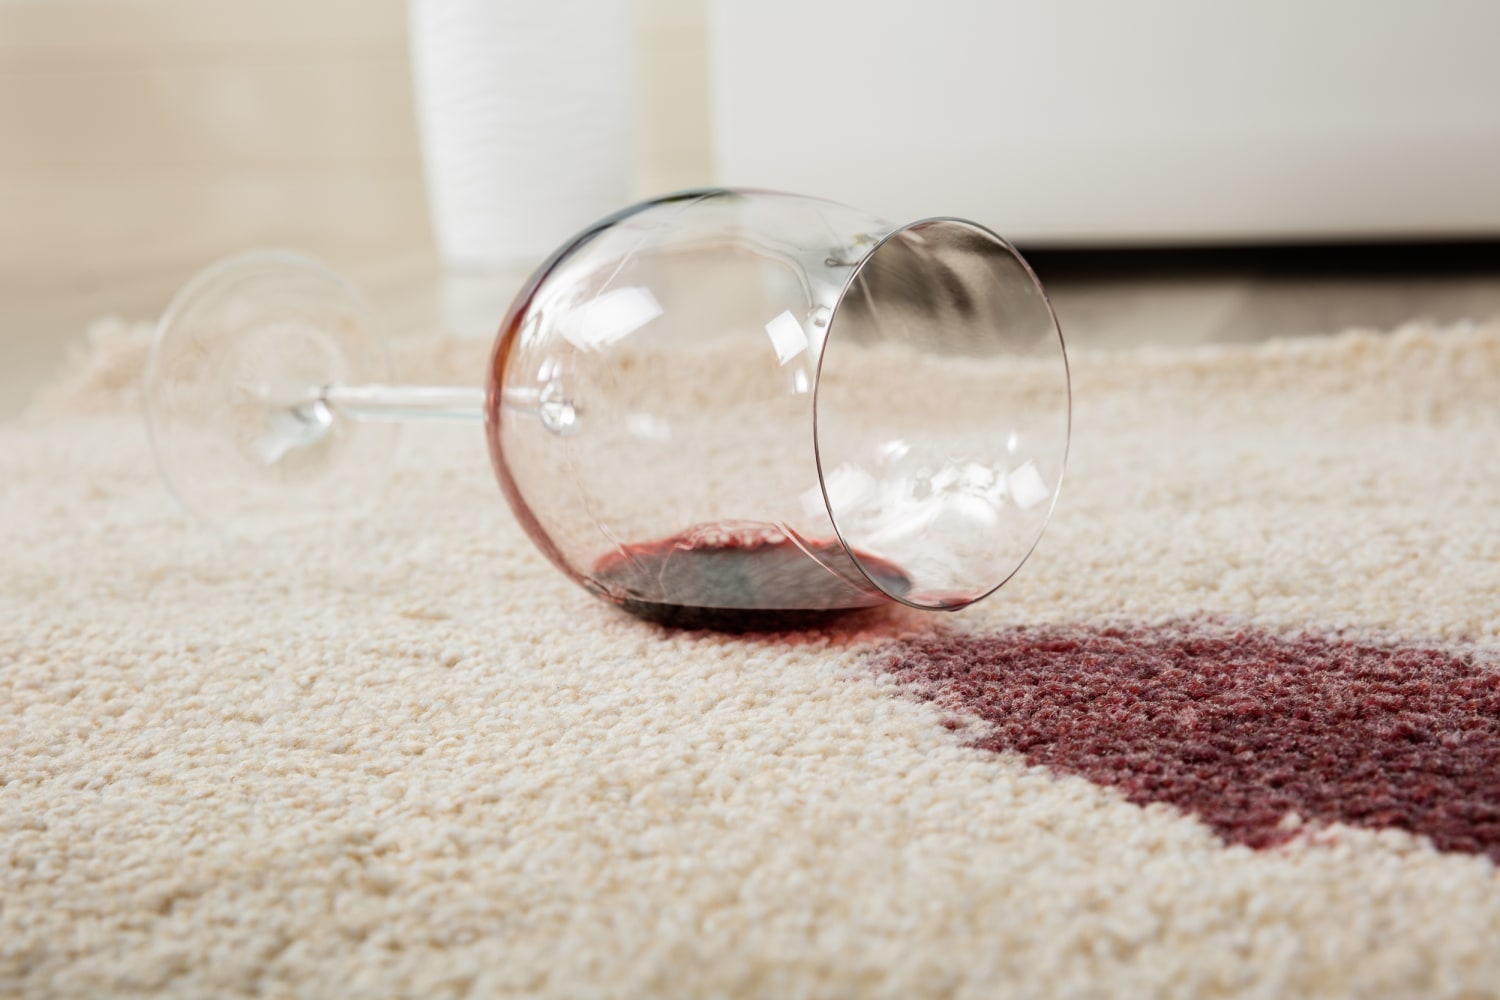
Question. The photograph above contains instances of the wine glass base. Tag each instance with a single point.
(232, 396)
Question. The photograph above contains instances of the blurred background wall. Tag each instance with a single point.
(1150, 122)
(142, 134)
(142, 139)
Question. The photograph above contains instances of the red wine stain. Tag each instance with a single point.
(1239, 728)
(741, 577)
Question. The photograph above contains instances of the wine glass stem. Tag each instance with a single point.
(384, 403)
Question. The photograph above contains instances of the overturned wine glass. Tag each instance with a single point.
(722, 408)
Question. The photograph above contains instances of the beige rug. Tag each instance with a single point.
(1234, 731)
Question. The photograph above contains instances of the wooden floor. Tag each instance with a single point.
(142, 139)
(1183, 296)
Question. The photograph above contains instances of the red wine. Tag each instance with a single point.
(741, 578)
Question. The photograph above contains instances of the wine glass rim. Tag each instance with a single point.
(1056, 330)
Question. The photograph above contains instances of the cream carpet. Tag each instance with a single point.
(1231, 732)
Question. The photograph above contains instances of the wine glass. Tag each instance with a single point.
(721, 408)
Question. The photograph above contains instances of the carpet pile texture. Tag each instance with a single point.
(1233, 731)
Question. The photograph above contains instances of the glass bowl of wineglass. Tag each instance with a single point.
(722, 408)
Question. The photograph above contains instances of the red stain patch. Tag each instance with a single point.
(1240, 729)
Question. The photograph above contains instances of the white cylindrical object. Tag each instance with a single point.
(524, 111)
